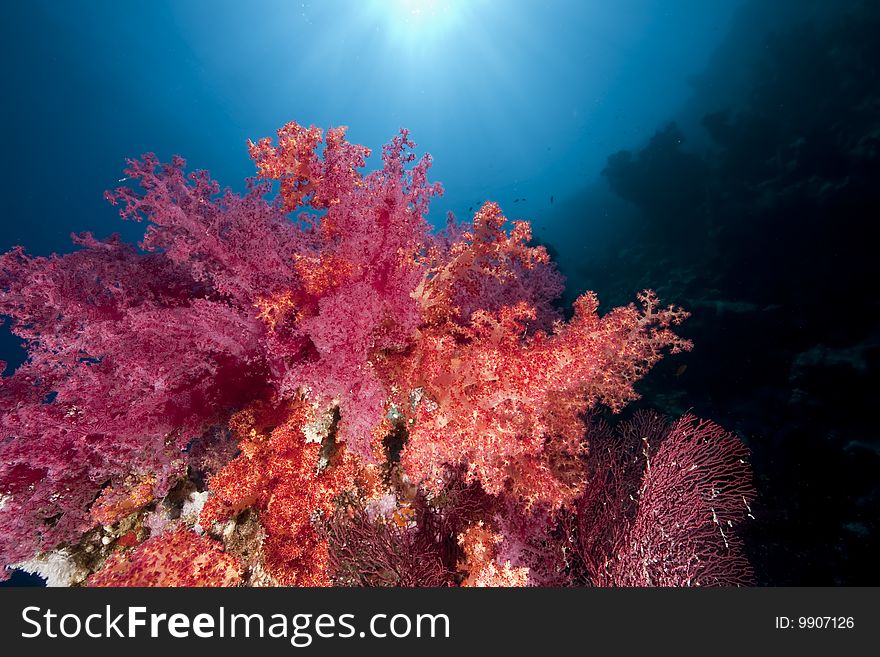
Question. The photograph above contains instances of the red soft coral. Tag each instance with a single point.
(282, 477)
(494, 396)
(482, 267)
(176, 558)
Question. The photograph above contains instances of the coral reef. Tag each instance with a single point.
(309, 387)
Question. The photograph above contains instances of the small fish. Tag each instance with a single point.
(551, 199)
(516, 200)
(681, 370)
(471, 209)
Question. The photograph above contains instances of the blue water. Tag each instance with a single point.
(514, 99)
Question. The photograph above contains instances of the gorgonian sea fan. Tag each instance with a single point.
(662, 507)
(309, 328)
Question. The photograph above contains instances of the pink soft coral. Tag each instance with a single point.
(128, 362)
